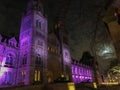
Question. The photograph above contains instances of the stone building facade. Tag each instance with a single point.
(38, 56)
(81, 72)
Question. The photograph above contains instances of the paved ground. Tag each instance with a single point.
(63, 87)
(88, 87)
(109, 87)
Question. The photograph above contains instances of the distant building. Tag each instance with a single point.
(86, 70)
(89, 61)
(81, 72)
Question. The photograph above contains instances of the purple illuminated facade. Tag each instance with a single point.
(8, 60)
(36, 58)
(81, 72)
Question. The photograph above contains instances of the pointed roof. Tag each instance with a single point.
(35, 5)
(13, 39)
(87, 58)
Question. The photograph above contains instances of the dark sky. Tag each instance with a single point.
(10, 15)
(80, 19)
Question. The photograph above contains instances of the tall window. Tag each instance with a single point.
(66, 54)
(23, 74)
(7, 77)
(38, 60)
(37, 75)
(9, 60)
(24, 60)
(38, 24)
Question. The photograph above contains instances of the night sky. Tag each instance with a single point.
(80, 19)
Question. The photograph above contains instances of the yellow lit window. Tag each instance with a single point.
(38, 75)
(35, 75)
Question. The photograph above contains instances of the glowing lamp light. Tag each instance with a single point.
(76, 76)
(105, 51)
(71, 86)
(95, 85)
(62, 76)
(115, 14)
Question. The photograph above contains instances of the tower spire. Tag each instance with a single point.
(35, 5)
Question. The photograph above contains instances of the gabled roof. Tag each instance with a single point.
(7, 38)
(13, 39)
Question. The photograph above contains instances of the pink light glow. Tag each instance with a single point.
(3, 61)
(3, 69)
(76, 76)
(80, 74)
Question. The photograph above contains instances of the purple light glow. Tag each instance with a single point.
(81, 73)
(3, 69)
(3, 61)
(66, 55)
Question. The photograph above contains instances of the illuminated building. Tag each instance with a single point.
(81, 72)
(38, 57)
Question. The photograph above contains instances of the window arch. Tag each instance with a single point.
(7, 79)
(38, 24)
(9, 59)
(22, 75)
(38, 60)
(37, 75)
(24, 59)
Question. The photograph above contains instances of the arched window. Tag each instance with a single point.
(37, 76)
(38, 60)
(24, 60)
(7, 79)
(22, 76)
(9, 60)
(38, 24)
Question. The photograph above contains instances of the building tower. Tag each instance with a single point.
(33, 45)
(64, 48)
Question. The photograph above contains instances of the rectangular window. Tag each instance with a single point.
(24, 60)
(23, 74)
(38, 24)
(9, 60)
(37, 75)
(48, 48)
(7, 79)
(38, 60)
